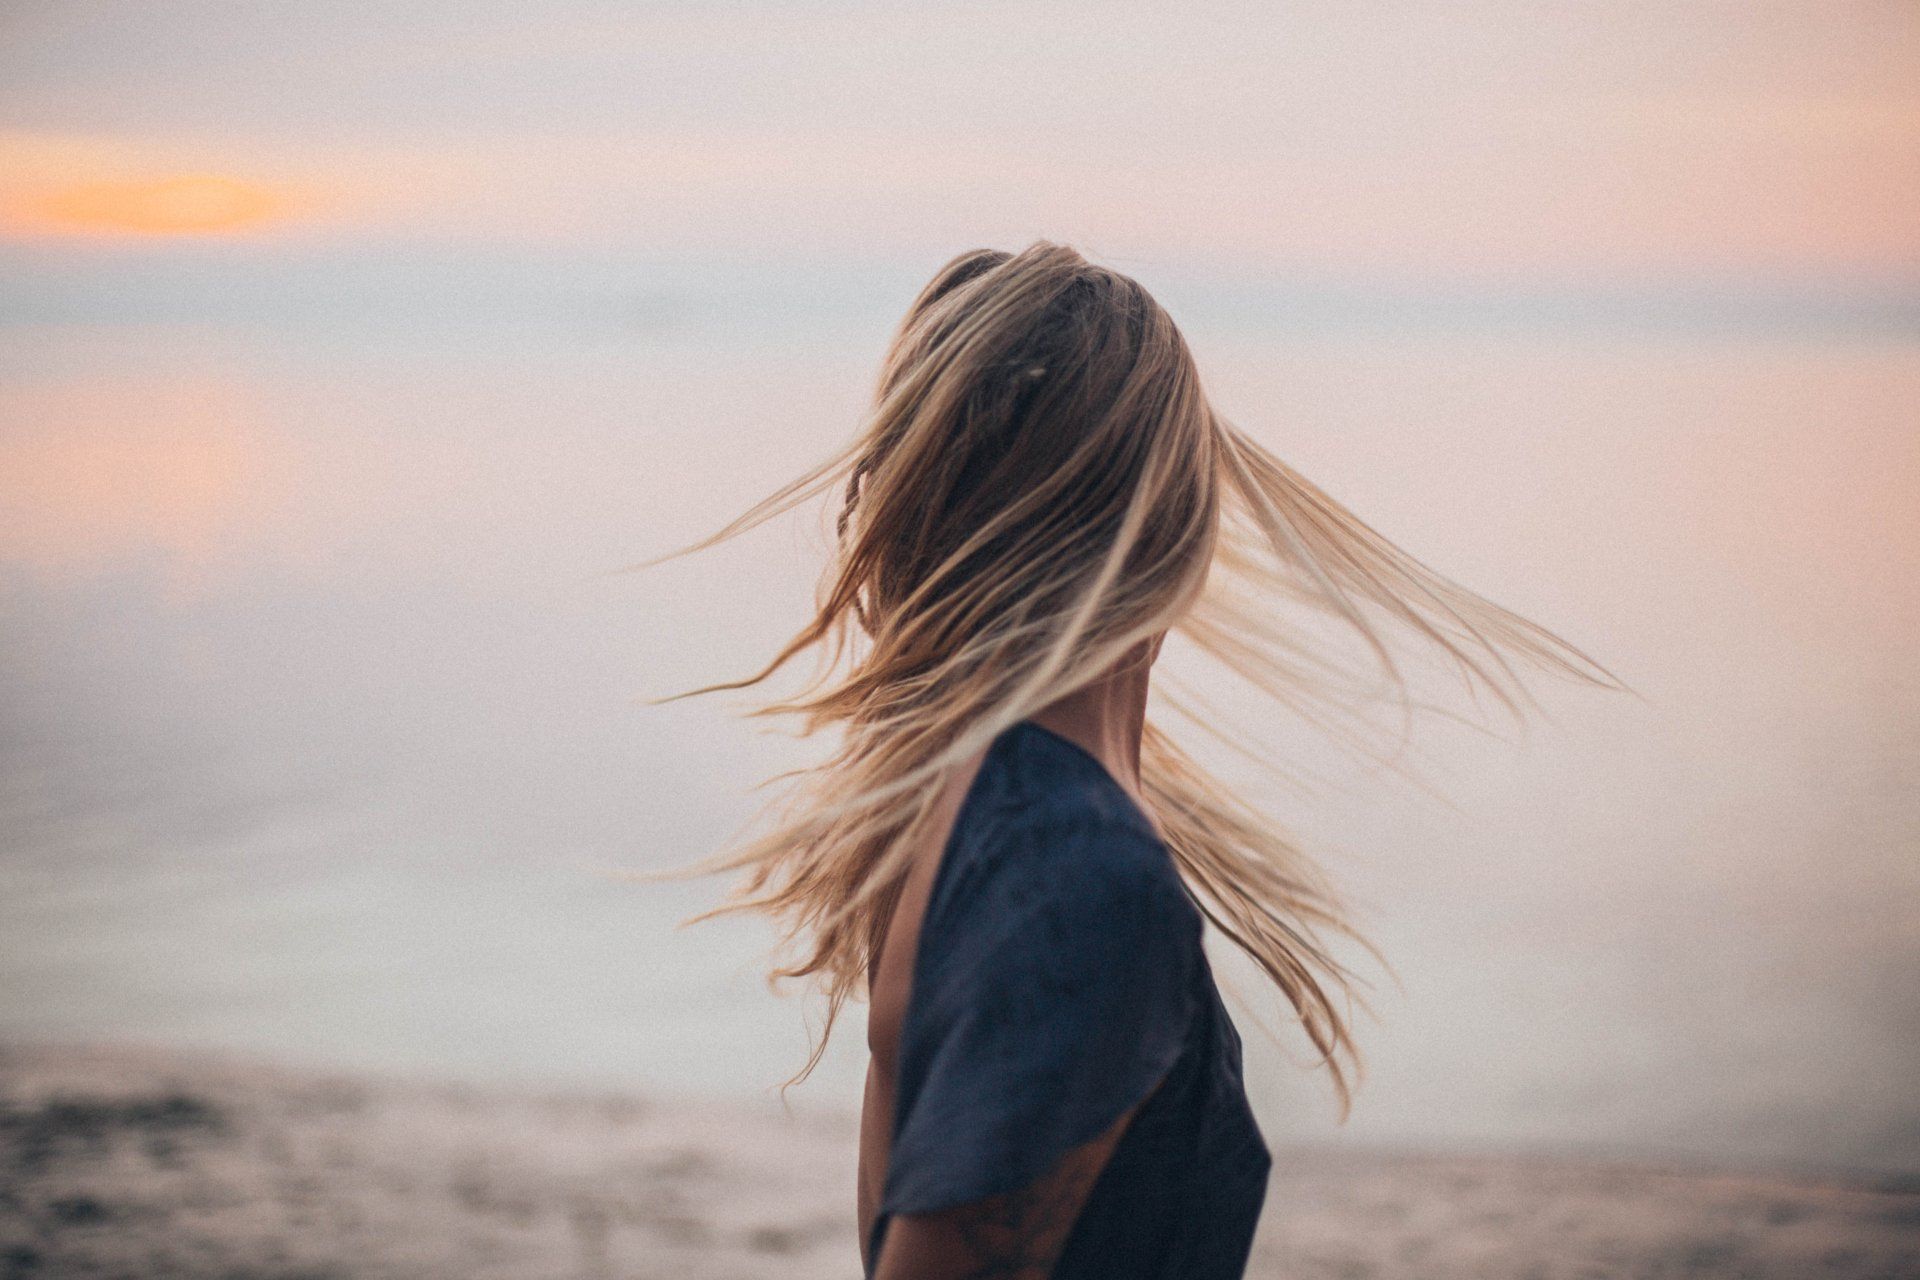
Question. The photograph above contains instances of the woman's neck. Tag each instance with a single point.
(1109, 716)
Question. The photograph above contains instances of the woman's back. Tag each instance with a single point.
(1042, 982)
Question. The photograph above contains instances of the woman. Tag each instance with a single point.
(1003, 854)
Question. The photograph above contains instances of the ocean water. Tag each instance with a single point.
(321, 733)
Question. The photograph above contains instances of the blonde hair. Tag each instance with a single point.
(1042, 485)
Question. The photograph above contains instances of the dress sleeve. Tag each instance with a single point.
(1057, 992)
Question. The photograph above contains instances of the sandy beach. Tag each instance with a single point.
(122, 1162)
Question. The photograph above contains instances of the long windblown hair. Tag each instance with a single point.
(1040, 487)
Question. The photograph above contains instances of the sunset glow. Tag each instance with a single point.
(94, 472)
(185, 204)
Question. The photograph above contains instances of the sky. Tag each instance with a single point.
(345, 348)
(1455, 140)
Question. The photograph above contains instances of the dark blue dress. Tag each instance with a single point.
(1059, 980)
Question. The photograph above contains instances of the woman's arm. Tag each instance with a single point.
(1015, 1236)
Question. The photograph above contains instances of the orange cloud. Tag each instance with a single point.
(183, 204)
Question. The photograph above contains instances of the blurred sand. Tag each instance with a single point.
(124, 1163)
